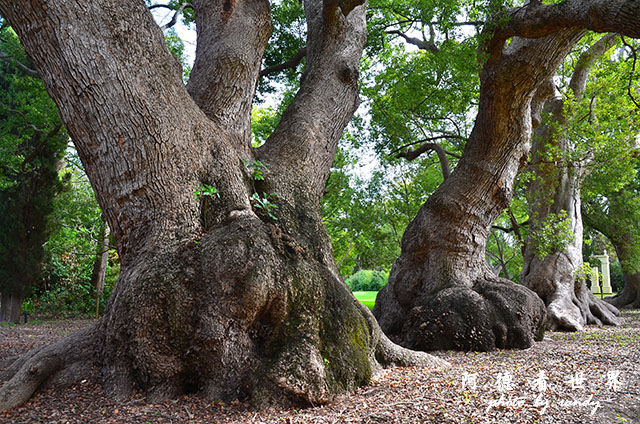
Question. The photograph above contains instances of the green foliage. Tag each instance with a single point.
(367, 218)
(32, 143)
(69, 301)
(583, 272)
(206, 190)
(176, 47)
(616, 276)
(76, 230)
(367, 280)
(265, 203)
(263, 121)
(552, 235)
(256, 169)
(288, 37)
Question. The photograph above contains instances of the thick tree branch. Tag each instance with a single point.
(303, 145)
(232, 37)
(585, 62)
(538, 20)
(144, 113)
(421, 44)
(291, 63)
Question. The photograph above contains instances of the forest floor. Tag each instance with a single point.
(590, 377)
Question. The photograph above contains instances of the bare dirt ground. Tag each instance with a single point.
(590, 377)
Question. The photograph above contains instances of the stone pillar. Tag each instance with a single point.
(604, 265)
(594, 276)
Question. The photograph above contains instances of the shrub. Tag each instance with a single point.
(367, 280)
(617, 278)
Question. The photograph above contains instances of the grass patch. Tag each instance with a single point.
(368, 298)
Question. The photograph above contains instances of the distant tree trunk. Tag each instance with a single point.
(441, 293)
(629, 297)
(10, 305)
(554, 192)
(622, 233)
(100, 265)
(222, 296)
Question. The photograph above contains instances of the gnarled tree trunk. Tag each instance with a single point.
(215, 295)
(441, 294)
(554, 275)
(555, 192)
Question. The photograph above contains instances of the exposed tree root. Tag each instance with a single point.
(572, 311)
(388, 353)
(61, 361)
(628, 298)
(570, 304)
(493, 313)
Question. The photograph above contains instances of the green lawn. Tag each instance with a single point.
(368, 298)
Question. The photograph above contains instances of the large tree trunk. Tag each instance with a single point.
(441, 294)
(551, 269)
(10, 305)
(553, 274)
(215, 296)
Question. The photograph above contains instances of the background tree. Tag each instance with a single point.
(75, 243)
(587, 121)
(616, 214)
(32, 142)
(232, 299)
(441, 293)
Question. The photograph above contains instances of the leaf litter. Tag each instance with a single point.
(588, 377)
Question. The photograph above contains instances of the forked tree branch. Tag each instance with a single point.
(421, 44)
(303, 145)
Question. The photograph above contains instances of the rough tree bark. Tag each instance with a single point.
(214, 295)
(556, 190)
(441, 294)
